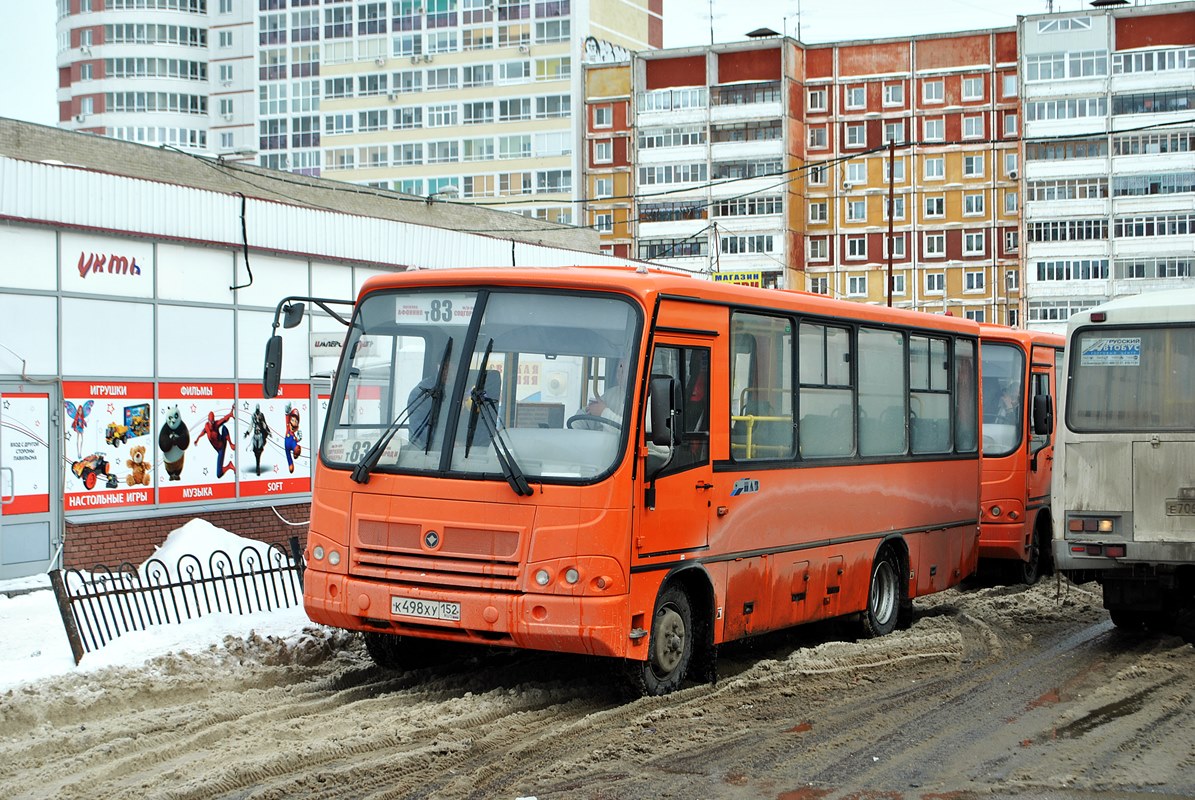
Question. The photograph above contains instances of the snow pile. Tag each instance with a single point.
(33, 644)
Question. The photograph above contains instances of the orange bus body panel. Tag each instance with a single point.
(1011, 484)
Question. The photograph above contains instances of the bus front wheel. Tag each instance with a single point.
(670, 649)
(883, 598)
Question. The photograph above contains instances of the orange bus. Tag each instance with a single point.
(1019, 387)
(634, 464)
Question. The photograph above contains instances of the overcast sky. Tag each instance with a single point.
(27, 41)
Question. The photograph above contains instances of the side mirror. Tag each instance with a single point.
(272, 374)
(660, 410)
(1043, 414)
(292, 314)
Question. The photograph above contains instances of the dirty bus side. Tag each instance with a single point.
(636, 465)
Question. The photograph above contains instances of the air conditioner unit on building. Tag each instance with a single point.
(228, 116)
(847, 186)
(380, 61)
(414, 59)
(226, 83)
(1013, 175)
(428, 58)
(85, 50)
(80, 117)
(392, 97)
(523, 48)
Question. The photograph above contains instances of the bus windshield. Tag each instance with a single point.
(1004, 397)
(1132, 379)
(500, 383)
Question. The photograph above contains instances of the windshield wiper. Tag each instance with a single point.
(485, 407)
(428, 427)
(426, 394)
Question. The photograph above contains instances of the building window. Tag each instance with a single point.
(818, 211)
(894, 94)
(224, 40)
(1012, 280)
(933, 129)
(975, 316)
(894, 132)
(856, 285)
(935, 245)
(1008, 85)
(935, 282)
(1012, 241)
(817, 138)
(1010, 124)
(935, 168)
(898, 283)
(819, 285)
(973, 166)
(973, 205)
(603, 187)
(819, 175)
(603, 151)
(894, 246)
(935, 206)
(856, 97)
(819, 250)
(856, 173)
(1011, 202)
(897, 176)
(817, 99)
(603, 116)
(933, 91)
(856, 210)
(856, 247)
(856, 135)
(972, 127)
(974, 243)
(974, 280)
(898, 204)
(972, 88)
(603, 221)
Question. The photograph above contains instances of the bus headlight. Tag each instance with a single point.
(334, 557)
(542, 577)
(571, 575)
(318, 553)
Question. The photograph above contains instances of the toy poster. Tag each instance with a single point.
(108, 444)
(25, 453)
(196, 436)
(273, 455)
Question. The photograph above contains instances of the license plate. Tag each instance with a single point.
(1180, 508)
(425, 609)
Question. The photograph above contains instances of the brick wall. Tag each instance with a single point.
(134, 540)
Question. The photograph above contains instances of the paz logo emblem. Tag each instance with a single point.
(431, 539)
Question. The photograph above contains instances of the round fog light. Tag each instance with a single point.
(334, 557)
(542, 577)
(318, 552)
(571, 575)
(995, 511)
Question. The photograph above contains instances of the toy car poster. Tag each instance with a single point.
(108, 447)
(273, 455)
(25, 453)
(197, 441)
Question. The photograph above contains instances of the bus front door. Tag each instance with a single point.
(678, 478)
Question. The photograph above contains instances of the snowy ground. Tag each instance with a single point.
(33, 643)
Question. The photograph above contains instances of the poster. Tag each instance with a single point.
(196, 435)
(108, 444)
(25, 454)
(273, 455)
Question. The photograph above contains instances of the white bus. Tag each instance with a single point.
(1124, 478)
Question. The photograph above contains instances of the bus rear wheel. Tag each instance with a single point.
(883, 598)
(670, 648)
(1029, 570)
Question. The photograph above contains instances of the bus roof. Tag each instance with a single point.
(1026, 338)
(648, 284)
(1171, 305)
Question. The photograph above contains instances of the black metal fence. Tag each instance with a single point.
(99, 606)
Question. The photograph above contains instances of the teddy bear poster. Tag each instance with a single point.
(108, 448)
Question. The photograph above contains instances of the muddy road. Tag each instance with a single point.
(995, 691)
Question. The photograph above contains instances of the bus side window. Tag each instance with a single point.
(689, 369)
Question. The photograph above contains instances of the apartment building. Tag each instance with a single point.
(911, 195)
(1109, 101)
(775, 163)
(447, 99)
